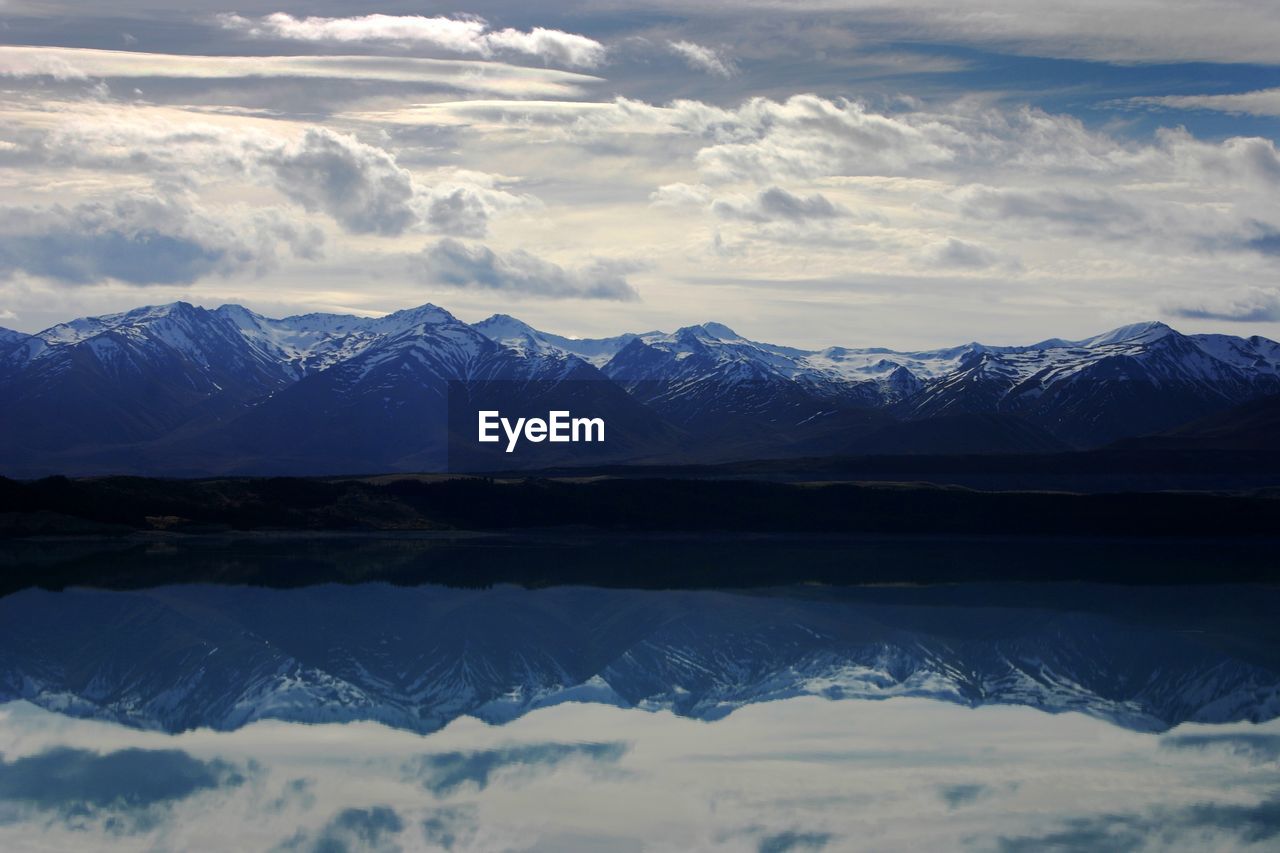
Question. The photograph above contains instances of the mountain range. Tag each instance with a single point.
(183, 657)
(182, 390)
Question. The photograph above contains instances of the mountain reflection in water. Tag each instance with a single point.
(182, 657)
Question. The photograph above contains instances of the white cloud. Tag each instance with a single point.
(680, 195)
(65, 63)
(1098, 225)
(898, 774)
(702, 58)
(1234, 305)
(958, 254)
(548, 45)
(464, 210)
(456, 264)
(144, 238)
(774, 204)
(1121, 31)
(1261, 102)
(360, 186)
(465, 35)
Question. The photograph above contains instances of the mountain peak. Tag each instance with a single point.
(235, 310)
(1136, 333)
(721, 331)
(709, 331)
(500, 326)
(504, 319)
(169, 309)
(428, 313)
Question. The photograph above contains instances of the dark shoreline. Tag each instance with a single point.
(652, 560)
(127, 532)
(61, 506)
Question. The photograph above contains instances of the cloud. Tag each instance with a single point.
(680, 195)
(142, 238)
(67, 63)
(785, 842)
(122, 786)
(1262, 102)
(360, 186)
(466, 35)
(809, 137)
(461, 205)
(1254, 746)
(1234, 305)
(299, 792)
(1158, 828)
(714, 784)
(774, 203)
(353, 829)
(957, 254)
(702, 58)
(458, 264)
(451, 827)
(1231, 31)
(444, 773)
(1094, 213)
(806, 136)
(960, 795)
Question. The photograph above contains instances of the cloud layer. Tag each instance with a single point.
(558, 777)
(457, 264)
(799, 173)
(464, 35)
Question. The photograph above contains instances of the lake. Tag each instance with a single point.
(804, 716)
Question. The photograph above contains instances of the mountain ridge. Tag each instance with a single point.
(497, 654)
(182, 389)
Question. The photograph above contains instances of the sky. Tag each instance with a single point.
(811, 172)
(796, 775)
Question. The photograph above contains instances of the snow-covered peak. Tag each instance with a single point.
(172, 325)
(1135, 333)
(239, 315)
(720, 331)
(83, 328)
(302, 344)
(503, 326)
(710, 332)
(515, 334)
(1054, 343)
(8, 337)
(519, 335)
(150, 313)
(423, 315)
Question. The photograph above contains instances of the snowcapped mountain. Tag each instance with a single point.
(734, 393)
(176, 658)
(182, 389)
(8, 338)
(179, 389)
(1130, 381)
(128, 377)
(509, 331)
(406, 399)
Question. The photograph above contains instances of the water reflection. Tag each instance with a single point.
(796, 774)
(373, 717)
(182, 657)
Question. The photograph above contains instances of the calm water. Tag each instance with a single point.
(379, 717)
